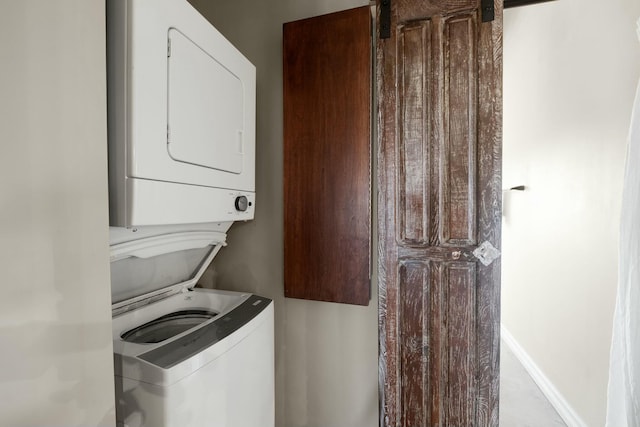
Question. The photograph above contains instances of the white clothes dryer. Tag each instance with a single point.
(181, 103)
(186, 357)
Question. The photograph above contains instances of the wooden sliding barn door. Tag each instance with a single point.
(439, 92)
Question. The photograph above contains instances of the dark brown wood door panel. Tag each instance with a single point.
(439, 91)
(327, 157)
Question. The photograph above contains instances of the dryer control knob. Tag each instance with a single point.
(242, 203)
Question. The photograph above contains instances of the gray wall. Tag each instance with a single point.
(570, 72)
(55, 313)
(326, 354)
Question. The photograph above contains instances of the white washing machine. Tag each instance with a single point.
(186, 357)
(181, 127)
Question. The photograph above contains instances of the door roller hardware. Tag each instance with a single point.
(385, 19)
(488, 12)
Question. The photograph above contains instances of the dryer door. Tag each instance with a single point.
(202, 130)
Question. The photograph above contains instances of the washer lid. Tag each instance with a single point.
(151, 268)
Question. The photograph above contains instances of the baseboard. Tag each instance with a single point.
(566, 412)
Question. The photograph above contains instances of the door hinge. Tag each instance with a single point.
(385, 19)
(488, 12)
(168, 48)
(168, 134)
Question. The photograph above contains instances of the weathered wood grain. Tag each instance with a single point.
(410, 10)
(413, 150)
(414, 318)
(459, 108)
(439, 158)
(489, 215)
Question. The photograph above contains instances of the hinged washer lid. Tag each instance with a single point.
(155, 266)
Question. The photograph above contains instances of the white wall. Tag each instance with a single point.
(570, 70)
(55, 315)
(326, 354)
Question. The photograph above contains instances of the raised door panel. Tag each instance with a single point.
(327, 157)
(437, 334)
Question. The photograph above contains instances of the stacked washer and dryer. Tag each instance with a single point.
(181, 124)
